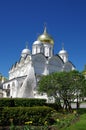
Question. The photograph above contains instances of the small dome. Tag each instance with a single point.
(64, 55)
(37, 43)
(46, 38)
(62, 52)
(26, 51)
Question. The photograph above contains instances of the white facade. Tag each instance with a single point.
(43, 61)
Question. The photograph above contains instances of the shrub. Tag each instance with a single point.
(54, 106)
(20, 115)
(24, 102)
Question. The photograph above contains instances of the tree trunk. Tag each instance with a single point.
(77, 103)
(67, 105)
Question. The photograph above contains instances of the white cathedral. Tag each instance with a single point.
(24, 74)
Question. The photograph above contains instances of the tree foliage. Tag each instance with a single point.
(64, 86)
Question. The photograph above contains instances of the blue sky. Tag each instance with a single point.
(23, 20)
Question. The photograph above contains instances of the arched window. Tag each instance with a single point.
(8, 90)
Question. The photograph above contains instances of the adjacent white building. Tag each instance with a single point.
(41, 59)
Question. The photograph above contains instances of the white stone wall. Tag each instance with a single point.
(48, 50)
(45, 48)
(21, 69)
(13, 86)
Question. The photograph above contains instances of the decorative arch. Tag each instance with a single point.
(8, 90)
(39, 62)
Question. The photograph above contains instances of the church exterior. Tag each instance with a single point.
(43, 61)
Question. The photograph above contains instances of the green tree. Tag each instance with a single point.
(63, 86)
(79, 85)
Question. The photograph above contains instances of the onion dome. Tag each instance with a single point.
(64, 55)
(37, 43)
(45, 38)
(63, 52)
(25, 52)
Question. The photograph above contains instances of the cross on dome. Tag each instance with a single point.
(45, 30)
(26, 44)
(62, 45)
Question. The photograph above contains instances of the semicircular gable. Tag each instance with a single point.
(39, 62)
(55, 60)
(68, 66)
(55, 64)
(38, 58)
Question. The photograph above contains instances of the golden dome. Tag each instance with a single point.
(45, 38)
